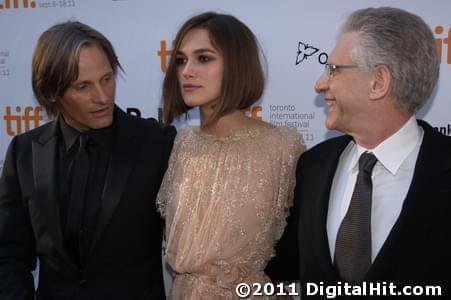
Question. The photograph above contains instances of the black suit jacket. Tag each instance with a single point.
(125, 258)
(418, 248)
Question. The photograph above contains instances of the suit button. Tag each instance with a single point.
(83, 282)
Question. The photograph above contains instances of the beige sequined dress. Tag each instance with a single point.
(225, 200)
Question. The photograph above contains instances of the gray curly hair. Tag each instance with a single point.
(403, 42)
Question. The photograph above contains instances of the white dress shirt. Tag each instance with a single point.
(391, 178)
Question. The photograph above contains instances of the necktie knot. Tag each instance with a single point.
(366, 162)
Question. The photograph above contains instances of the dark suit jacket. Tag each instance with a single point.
(125, 258)
(418, 248)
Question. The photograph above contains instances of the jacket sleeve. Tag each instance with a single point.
(169, 135)
(17, 247)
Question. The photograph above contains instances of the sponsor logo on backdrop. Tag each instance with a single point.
(442, 41)
(23, 118)
(26, 4)
(288, 115)
(136, 112)
(254, 112)
(164, 55)
(20, 119)
(446, 130)
(8, 4)
(306, 51)
(4, 70)
(133, 111)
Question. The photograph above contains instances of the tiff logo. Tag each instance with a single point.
(441, 42)
(28, 118)
(25, 4)
(164, 55)
(253, 112)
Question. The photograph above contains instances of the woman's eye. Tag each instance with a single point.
(204, 58)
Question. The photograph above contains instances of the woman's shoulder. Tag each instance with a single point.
(184, 135)
(285, 133)
(290, 139)
(187, 131)
(288, 132)
(286, 137)
(279, 130)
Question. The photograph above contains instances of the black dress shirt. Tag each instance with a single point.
(99, 148)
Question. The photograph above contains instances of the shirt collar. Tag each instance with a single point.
(392, 152)
(99, 136)
(70, 134)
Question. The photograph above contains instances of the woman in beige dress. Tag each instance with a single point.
(229, 183)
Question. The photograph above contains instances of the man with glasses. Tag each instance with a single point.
(374, 205)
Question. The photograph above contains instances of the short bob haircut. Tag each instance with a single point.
(56, 57)
(243, 79)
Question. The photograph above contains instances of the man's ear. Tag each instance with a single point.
(380, 82)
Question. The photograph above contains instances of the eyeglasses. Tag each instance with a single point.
(330, 69)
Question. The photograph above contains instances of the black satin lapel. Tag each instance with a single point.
(44, 170)
(121, 163)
